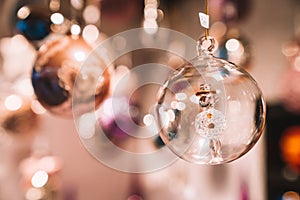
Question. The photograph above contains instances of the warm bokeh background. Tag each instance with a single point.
(269, 171)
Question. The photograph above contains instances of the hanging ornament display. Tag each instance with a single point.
(58, 66)
(210, 111)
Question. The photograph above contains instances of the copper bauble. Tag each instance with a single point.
(57, 67)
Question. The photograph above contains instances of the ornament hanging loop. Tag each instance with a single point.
(205, 44)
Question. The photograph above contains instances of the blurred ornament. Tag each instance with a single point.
(123, 10)
(115, 119)
(56, 69)
(17, 117)
(234, 10)
(33, 22)
(290, 92)
(290, 148)
(210, 111)
(234, 47)
(291, 195)
(230, 11)
(118, 15)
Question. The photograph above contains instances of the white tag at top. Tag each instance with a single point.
(204, 20)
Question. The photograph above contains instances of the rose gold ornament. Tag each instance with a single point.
(58, 67)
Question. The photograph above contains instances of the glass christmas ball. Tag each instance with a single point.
(57, 67)
(210, 111)
(33, 22)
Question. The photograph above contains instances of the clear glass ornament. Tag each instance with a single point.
(210, 111)
(58, 66)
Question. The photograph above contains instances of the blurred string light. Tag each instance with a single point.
(86, 126)
(54, 5)
(39, 179)
(37, 108)
(232, 45)
(57, 18)
(77, 4)
(60, 23)
(150, 123)
(88, 20)
(90, 33)
(34, 194)
(202, 133)
(152, 15)
(37, 22)
(13, 102)
(291, 50)
(75, 30)
(23, 12)
(77, 19)
(91, 14)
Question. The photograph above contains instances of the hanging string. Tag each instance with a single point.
(207, 13)
(206, 43)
